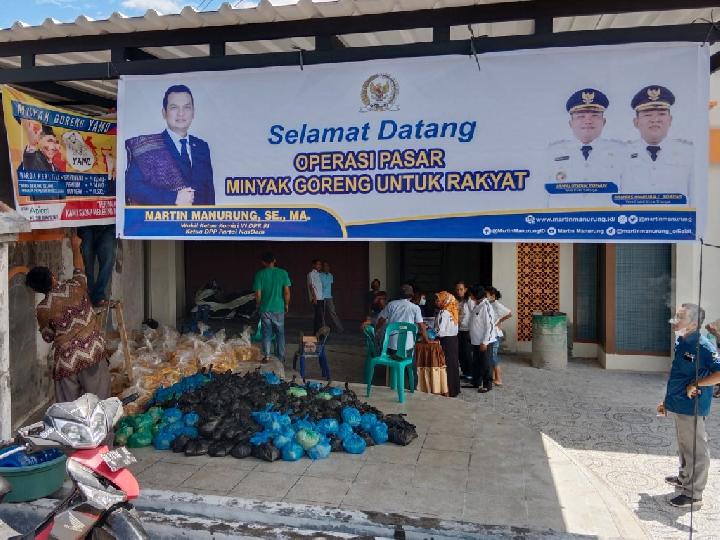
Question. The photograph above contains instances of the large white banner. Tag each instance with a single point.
(573, 144)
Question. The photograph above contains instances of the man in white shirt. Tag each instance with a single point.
(483, 333)
(587, 158)
(315, 292)
(657, 165)
(465, 306)
(403, 310)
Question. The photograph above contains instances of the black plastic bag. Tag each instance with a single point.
(197, 448)
(220, 448)
(179, 444)
(266, 452)
(206, 429)
(241, 451)
(369, 441)
(336, 444)
(402, 435)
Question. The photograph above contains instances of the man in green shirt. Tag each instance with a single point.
(272, 297)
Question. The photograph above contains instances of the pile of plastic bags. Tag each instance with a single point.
(258, 414)
(163, 357)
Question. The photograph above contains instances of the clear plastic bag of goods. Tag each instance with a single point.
(168, 338)
(117, 360)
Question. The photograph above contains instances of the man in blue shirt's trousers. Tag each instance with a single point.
(683, 388)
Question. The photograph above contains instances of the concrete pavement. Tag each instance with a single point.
(469, 464)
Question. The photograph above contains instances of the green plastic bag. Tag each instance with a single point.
(141, 422)
(307, 438)
(122, 435)
(155, 412)
(297, 391)
(325, 396)
(140, 439)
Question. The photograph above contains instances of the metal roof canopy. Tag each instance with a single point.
(127, 56)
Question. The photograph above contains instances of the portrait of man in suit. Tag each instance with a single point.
(172, 167)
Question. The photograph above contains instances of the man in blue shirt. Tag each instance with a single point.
(683, 390)
(327, 280)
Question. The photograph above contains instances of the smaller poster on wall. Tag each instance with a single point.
(62, 163)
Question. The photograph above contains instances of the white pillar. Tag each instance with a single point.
(504, 278)
(5, 395)
(166, 281)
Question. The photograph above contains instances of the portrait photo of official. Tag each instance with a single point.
(657, 164)
(172, 167)
(41, 152)
(586, 156)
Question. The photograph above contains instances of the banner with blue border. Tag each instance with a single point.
(422, 148)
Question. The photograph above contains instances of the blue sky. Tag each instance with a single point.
(36, 11)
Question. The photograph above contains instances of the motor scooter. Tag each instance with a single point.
(98, 505)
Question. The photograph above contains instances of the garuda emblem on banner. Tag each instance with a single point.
(379, 93)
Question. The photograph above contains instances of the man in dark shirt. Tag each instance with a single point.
(683, 389)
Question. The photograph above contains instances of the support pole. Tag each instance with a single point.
(5, 395)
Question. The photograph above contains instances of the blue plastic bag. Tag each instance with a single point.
(367, 421)
(292, 452)
(172, 414)
(271, 378)
(314, 385)
(304, 423)
(354, 444)
(328, 426)
(286, 436)
(261, 437)
(336, 392)
(163, 440)
(191, 419)
(22, 459)
(321, 450)
(379, 433)
(351, 415)
(189, 431)
(344, 431)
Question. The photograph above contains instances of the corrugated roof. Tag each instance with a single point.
(287, 10)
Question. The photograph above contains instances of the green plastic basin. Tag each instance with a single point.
(34, 482)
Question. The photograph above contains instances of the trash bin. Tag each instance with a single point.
(550, 340)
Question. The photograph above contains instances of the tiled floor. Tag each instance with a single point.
(469, 463)
(606, 421)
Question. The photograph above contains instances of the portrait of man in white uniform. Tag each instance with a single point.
(587, 157)
(655, 163)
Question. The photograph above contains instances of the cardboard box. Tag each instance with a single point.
(309, 344)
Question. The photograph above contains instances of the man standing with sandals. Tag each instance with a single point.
(695, 369)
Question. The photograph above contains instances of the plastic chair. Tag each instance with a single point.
(301, 355)
(370, 349)
(397, 363)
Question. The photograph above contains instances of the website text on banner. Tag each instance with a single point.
(532, 146)
(62, 163)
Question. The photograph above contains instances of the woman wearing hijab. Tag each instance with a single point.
(446, 326)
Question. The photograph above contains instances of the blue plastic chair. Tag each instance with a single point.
(397, 363)
(301, 355)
